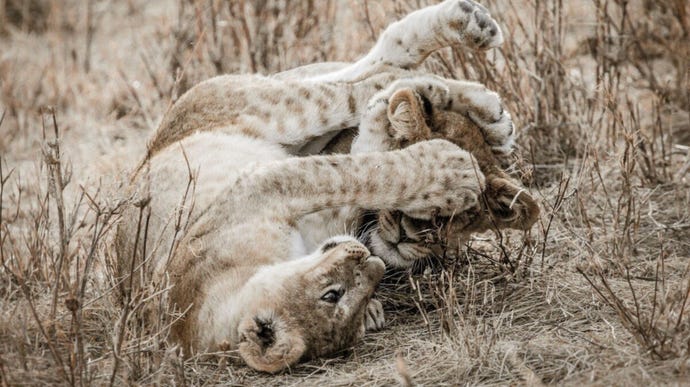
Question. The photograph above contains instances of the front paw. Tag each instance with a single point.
(374, 319)
(498, 134)
(450, 183)
(486, 110)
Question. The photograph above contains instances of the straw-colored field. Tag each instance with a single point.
(596, 293)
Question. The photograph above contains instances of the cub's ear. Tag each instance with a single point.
(509, 205)
(408, 117)
(267, 344)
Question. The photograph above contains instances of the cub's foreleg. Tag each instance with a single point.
(429, 177)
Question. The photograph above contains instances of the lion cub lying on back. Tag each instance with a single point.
(239, 265)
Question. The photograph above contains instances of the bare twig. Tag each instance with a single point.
(89, 35)
(56, 183)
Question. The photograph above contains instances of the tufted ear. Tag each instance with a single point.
(408, 117)
(509, 205)
(268, 344)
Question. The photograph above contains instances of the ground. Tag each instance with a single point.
(595, 294)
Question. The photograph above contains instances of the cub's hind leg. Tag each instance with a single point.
(407, 42)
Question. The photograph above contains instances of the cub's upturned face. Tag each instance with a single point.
(316, 306)
(505, 203)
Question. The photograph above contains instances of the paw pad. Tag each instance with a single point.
(482, 31)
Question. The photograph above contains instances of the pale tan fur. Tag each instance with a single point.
(226, 195)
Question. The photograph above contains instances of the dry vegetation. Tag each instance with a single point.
(597, 293)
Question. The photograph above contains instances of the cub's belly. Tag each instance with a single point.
(186, 177)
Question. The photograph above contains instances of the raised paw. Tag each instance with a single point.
(469, 24)
(374, 319)
(408, 42)
(499, 134)
(485, 109)
(451, 184)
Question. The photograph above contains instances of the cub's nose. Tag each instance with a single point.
(356, 250)
(348, 246)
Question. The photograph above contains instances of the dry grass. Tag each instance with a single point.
(597, 293)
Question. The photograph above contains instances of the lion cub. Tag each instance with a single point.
(226, 195)
(400, 239)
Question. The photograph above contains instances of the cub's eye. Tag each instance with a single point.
(333, 296)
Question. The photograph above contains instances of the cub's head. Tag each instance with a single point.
(309, 307)
(505, 204)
